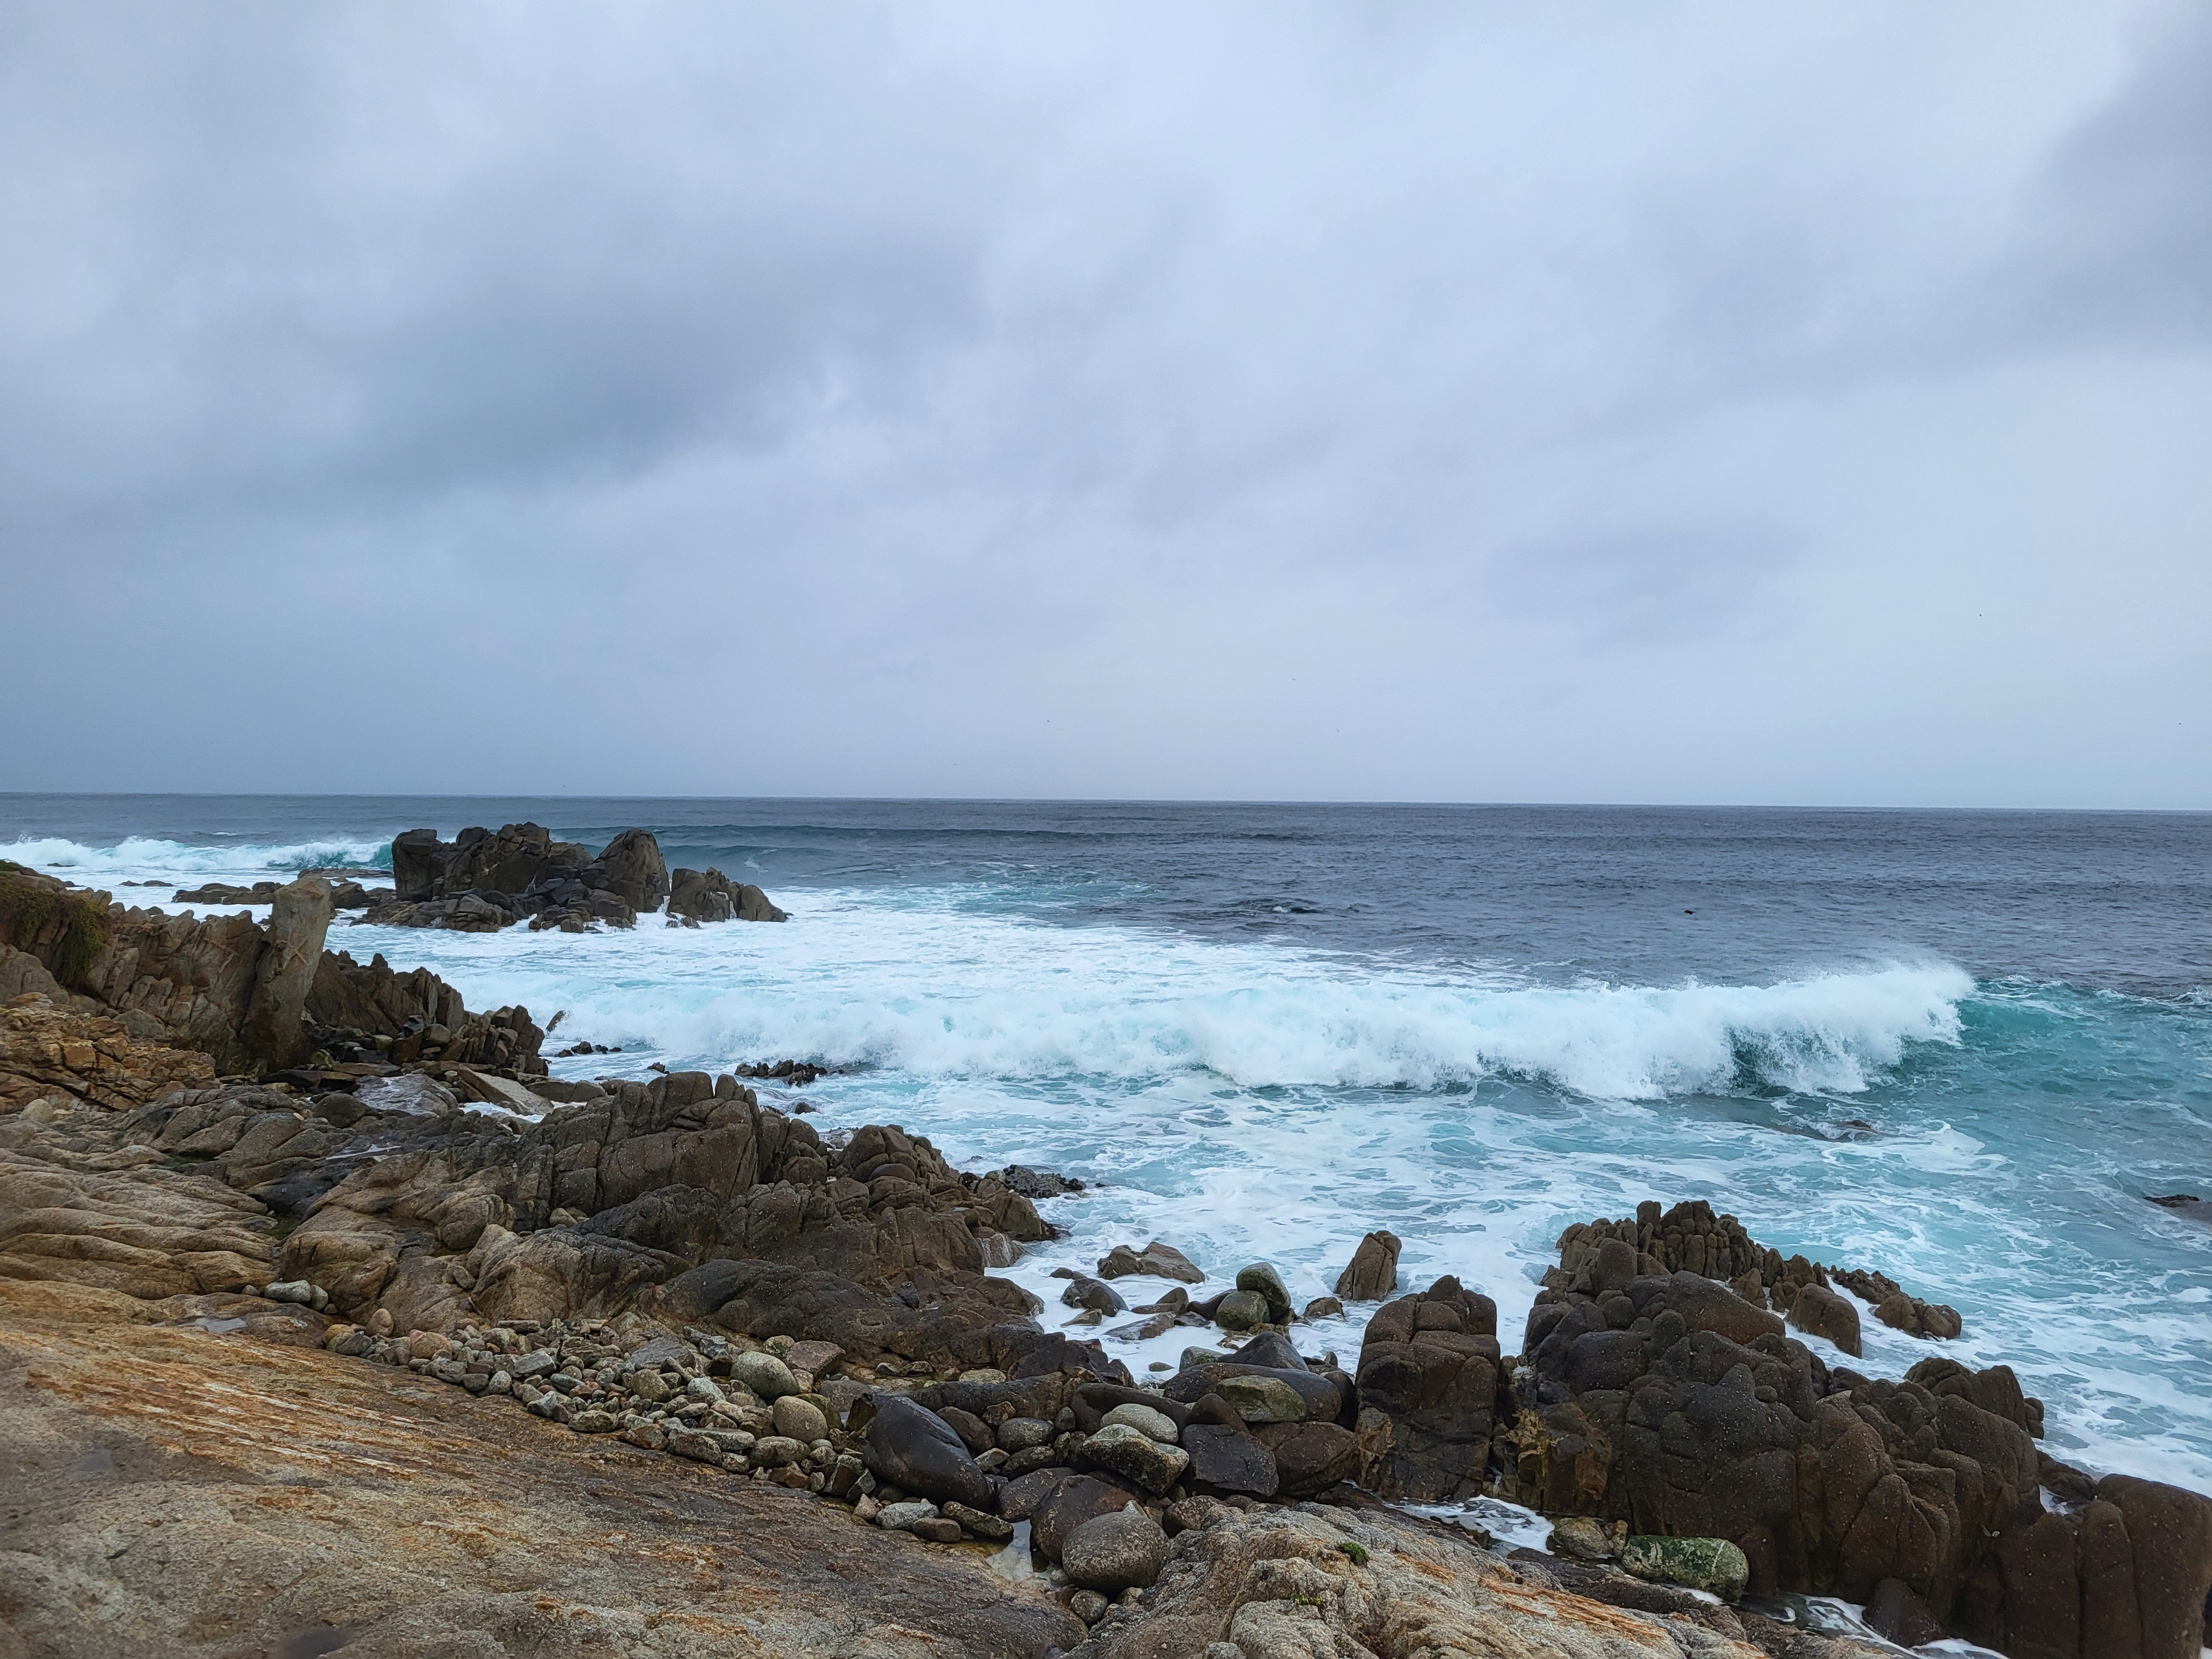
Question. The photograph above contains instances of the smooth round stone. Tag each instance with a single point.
(1114, 1553)
(764, 1374)
(1239, 1310)
(1146, 1421)
(1261, 1280)
(797, 1420)
(775, 1451)
(1019, 1434)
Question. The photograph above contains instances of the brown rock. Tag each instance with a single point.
(1372, 1272)
(285, 1521)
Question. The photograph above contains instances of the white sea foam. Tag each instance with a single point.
(145, 858)
(943, 994)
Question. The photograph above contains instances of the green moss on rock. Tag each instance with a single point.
(1713, 1564)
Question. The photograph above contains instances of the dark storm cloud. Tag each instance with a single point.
(1280, 401)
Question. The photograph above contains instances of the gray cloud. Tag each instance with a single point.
(1457, 402)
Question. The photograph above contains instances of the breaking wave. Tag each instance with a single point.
(141, 857)
(952, 995)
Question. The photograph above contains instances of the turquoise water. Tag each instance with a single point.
(1961, 1049)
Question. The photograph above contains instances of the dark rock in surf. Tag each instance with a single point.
(1372, 1272)
(709, 895)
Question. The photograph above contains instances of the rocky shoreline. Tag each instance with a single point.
(220, 1130)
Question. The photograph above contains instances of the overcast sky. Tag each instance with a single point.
(1704, 403)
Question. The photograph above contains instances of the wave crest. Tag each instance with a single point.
(144, 856)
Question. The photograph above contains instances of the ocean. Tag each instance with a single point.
(1965, 1048)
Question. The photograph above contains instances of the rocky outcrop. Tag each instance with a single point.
(225, 986)
(1295, 1584)
(250, 997)
(1691, 1238)
(370, 1011)
(1430, 1376)
(696, 896)
(684, 1193)
(1672, 1402)
(483, 880)
(183, 1483)
(50, 1052)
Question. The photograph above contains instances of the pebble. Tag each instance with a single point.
(976, 1524)
(901, 1516)
(776, 1451)
(1019, 1434)
(593, 1421)
(1090, 1607)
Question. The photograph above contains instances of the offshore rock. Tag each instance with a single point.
(1372, 1272)
(710, 895)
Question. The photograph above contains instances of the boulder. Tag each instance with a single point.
(1819, 1311)
(1093, 1293)
(709, 895)
(1896, 1614)
(765, 1375)
(1113, 1552)
(800, 1420)
(1135, 1456)
(914, 1448)
(631, 868)
(1020, 1498)
(1372, 1272)
(1712, 1565)
(1310, 1457)
(1226, 1461)
(1159, 1260)
(1072, 1501)
(1261, 1280)
(1429, 1366)
(1239, 1310)
(1270, 1351)
(1146, 1420)
(1259, 1399)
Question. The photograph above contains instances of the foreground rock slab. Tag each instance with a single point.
(1322, 1582)
(174, 1490)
